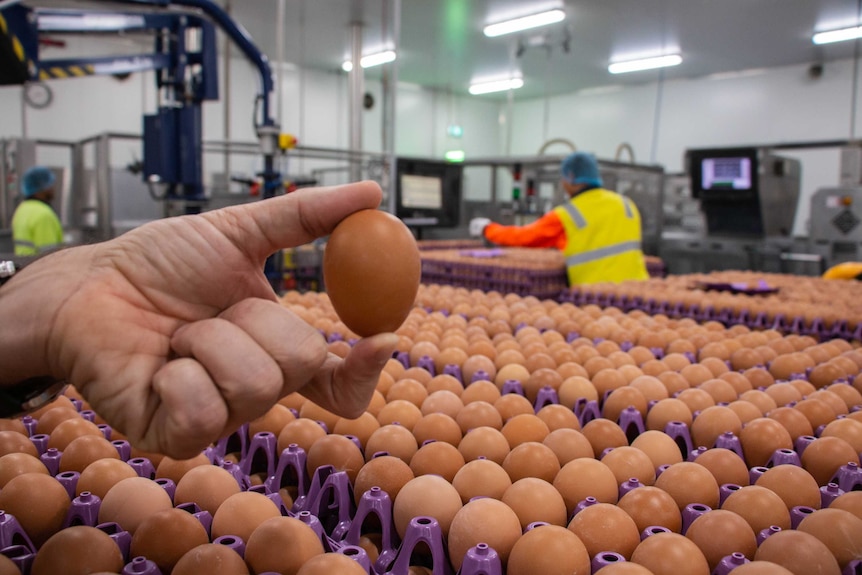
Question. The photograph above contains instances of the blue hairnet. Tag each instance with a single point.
(581, 168)
(35, 180)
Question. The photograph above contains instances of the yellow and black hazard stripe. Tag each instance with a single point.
(13, 60)
(66, 71)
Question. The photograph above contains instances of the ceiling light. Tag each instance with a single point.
(837, 35)
(645, 64)
(371, 60)
(524, 23)
(496, 86)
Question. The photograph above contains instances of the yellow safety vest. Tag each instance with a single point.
(603, 238)
(35, 228)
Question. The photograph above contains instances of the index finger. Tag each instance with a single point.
(264, 227)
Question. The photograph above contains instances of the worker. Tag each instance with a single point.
(172, 332)
(35, 227)
(598, 231)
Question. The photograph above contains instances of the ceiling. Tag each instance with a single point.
(442, 45)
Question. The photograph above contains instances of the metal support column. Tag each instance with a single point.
(104, 208)
(392, 13)
(356, 93)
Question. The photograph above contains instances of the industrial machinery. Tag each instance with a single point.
(184, 58)
(748, 198)
(835, 232)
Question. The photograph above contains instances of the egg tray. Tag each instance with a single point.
(457, 244)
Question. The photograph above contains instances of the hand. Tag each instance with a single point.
(477, 226)
(172, 332)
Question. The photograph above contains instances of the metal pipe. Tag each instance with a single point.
(390, 93)
(104, 209)
(226, 115)
(279, 60)
(355, 94)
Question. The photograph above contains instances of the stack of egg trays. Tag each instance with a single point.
(817, 328)
(540, 283)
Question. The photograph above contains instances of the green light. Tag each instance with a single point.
(455, 131)
(455, 156)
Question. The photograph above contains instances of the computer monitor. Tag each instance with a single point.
(724, 174)
(428, 192)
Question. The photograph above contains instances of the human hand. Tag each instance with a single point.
(172, 332)
(477, 226)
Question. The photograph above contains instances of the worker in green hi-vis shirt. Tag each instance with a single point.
(35, 227)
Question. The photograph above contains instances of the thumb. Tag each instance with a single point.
(266, 226)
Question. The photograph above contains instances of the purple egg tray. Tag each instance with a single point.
(761, 287)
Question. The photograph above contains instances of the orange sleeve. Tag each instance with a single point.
(546, 232)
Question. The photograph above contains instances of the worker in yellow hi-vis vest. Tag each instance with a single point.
(598, 231)
(35, 227)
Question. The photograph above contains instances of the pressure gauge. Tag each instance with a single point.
(38, 95)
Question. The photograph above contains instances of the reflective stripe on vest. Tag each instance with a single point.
(597, 254)
(25, 244)
(576, 215)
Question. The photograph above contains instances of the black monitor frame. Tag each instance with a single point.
(695, 158)
(450, 175)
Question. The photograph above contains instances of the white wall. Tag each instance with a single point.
(765, 107)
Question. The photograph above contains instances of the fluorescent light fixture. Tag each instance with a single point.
(841, 35)
(645, 64)
(455, 156)
(524, 23)
(496, 86)
(371, 60)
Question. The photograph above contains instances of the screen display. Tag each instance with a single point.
(726, 173)
(421, 192)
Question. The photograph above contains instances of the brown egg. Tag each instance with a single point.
(798, 552)
(15, 464)
(548, 550)
(575, 388)
(656, 367)
(15, 425)
(78, 551)
(476, 363)
(500, 529)
(605, 527)
(39, 503)
(512, 371)
(14, 442)
(479, 414)
(8, 567)
(512, 404)
(850, 501)
(720, 390)
(695, 374)
(211, 559)
(725, 465)
(337, 451)
(485, 442)
(760, 438)
(696, 399)
(100, 476)
(428, 495)
(568, 444)
(399, 411)
(673, 382)
(761, 568)
(624, 568)
(660, 448)
(241, 513)
(824, 456)
(607, 380)
(166, 536)
(558, 416)
(629, 462)
(745, 358)
(523, 428)
(131, 501)
(272, 421)
(480, 391)
(651, 506)
(175, 469)
(712, 423)
(408, 390)
(783, 393)
(839, 530)
(207, 485)
(328, 563)
(437, 458)
(759, 506)
(760, 399)
(445, 402)
(793, 421)
(394, 439)
(55, 416)
(439, 427)
(582, 478)
(602, 434)
(535, 500)
(719, 533)
(803, 386)
(793, 485)
(376, 404)
(281, 545)
(481, 478)
(84, 450)
(620, 399)
(387, 472)
(420, 374)
(665, 411)
(816, 411)
(848, 393)
(531, 459)
(670, 554)
(847, 429)
(302, 432)
(357, 271)
(361, 428)
(311, 410)
(689, 483)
